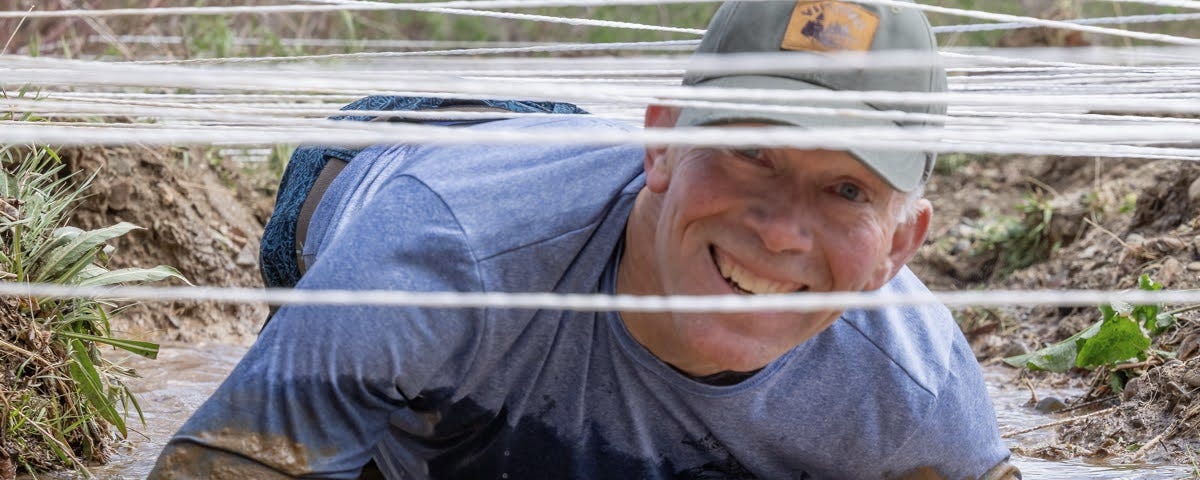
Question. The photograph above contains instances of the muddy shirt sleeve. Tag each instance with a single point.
(312, 397)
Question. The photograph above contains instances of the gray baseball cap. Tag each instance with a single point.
(814, 28)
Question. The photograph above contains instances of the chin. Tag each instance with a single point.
(743, 344)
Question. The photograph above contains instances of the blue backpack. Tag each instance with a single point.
(316, 166)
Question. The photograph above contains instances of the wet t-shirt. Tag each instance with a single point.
(521, 394)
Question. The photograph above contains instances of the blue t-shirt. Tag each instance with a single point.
(519, 394)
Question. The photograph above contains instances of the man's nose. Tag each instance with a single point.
(784, 226)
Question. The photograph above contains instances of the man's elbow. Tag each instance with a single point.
(183, 460)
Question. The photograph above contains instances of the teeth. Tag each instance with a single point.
(743, 279)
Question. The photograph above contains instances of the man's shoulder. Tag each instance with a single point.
(921, 342)
(508, 196)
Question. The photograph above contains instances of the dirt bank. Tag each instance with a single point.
(202, 215)
(1057, 223)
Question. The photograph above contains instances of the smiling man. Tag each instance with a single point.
(518, 394)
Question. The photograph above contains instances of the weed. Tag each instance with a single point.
(1128, 203)
(1122, 335)
(950, 163)
(1018, 242)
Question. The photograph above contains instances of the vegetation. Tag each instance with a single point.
(1123, 335)
(1018, 242)
(61, 398)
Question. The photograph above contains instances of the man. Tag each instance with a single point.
(502, 393)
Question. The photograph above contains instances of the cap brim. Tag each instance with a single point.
(903, 170)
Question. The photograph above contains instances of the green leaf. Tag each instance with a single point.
(90, 271)
(1058, 357)
(1107, 312)
(59, 237)
(66, 256)
(124, 275)
(1159, 323)
(68, 275)
(145, 349)
(1146, 315)
(1116, 382)
(137, 407)
(1145, 283)
(1120, 338)
(88, 379)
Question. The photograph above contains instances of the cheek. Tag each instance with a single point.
(700, 189)
(857, 258)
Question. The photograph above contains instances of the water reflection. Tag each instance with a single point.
(173, 386)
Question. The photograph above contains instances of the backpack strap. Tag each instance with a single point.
(333, 166)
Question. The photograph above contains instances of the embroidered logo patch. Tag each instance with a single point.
(827, 25)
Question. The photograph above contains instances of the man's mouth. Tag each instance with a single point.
(745, 282)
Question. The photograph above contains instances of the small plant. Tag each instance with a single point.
(950, 163)
(1123, 335)
(1018, 242)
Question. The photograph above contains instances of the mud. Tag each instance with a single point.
(1111, 221)
(1159, 414)
(202, 216)
(186, 461)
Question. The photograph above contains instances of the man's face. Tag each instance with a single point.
(766, 221)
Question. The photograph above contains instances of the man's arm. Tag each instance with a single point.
(185, 460)
(959, 437)
(312, 397)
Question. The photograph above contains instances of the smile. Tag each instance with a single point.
(745, 282)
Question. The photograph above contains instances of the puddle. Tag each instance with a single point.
(1012, 414)
(184, 375)
(169, 390)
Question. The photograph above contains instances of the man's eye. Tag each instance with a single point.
(753, 153)
(850, 191)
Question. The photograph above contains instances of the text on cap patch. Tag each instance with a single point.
(825, 26)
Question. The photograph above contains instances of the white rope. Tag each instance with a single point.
(488, 4)
(1075, 117)
(1090, 59)
(529, 17)
(1081, 89)
(1102, 78)
(269, 113)
(162, 76)
(1129, 19)
(683, 45)
(1062, 141)
(338, 99)
(797, 302)
(666, 45)
(399, 6)
(273, 117)
(1163, 3)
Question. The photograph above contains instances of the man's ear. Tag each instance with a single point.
(658, 169)
(908, 238)
(659, 116)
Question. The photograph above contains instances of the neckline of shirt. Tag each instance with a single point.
(668, 374)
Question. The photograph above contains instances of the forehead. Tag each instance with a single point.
(831, 158)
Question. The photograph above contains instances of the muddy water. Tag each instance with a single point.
(184, 375)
